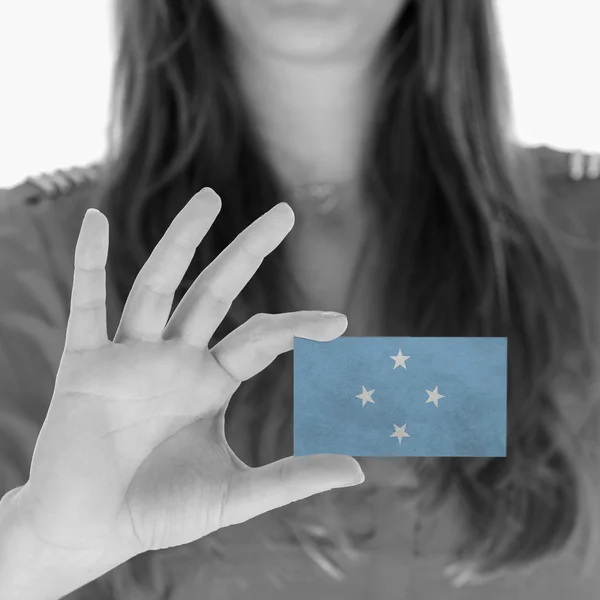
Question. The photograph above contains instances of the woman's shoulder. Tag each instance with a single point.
(53, 184)
(40, 218)
(571, 182)
(61, 192)
(567, 166)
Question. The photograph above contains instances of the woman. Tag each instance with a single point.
(397, 109)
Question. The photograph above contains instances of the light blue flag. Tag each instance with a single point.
(400, 396)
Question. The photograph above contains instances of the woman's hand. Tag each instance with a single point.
(132, 455)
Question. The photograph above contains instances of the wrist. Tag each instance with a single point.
(32, 569)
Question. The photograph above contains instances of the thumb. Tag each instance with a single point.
(258, 490)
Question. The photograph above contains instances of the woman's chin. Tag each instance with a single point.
(310, 38)
(309, 30)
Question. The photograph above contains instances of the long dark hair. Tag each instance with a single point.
(454, 192)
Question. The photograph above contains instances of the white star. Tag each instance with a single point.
(400, 359)
(400, 433)
(365, 396)
(434, 396)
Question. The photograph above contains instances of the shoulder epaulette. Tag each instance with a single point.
(54, 184)
(575, 165)
(584, 166)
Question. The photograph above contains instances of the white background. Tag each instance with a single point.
(56, 60)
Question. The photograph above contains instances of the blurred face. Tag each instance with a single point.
(309, 29)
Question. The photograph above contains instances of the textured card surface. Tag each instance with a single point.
(400, 396)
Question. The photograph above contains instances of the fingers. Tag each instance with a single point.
(86, 328)
(255, 344)
(151, 298)
(259, 490)
(209, 298)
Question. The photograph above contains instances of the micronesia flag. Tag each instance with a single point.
(400, 396)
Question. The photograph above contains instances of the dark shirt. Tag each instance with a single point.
(39, 225)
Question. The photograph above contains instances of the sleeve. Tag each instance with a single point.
(33, 319)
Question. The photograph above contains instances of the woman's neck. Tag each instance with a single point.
(312, 118)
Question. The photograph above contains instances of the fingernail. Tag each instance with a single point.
(350, 484)
(360, 480)
(328, 314)
(204, 194)
(283, 209)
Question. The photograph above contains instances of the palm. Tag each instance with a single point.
(160, 439)
(182, 487)
(179, 464)
(161, 389)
